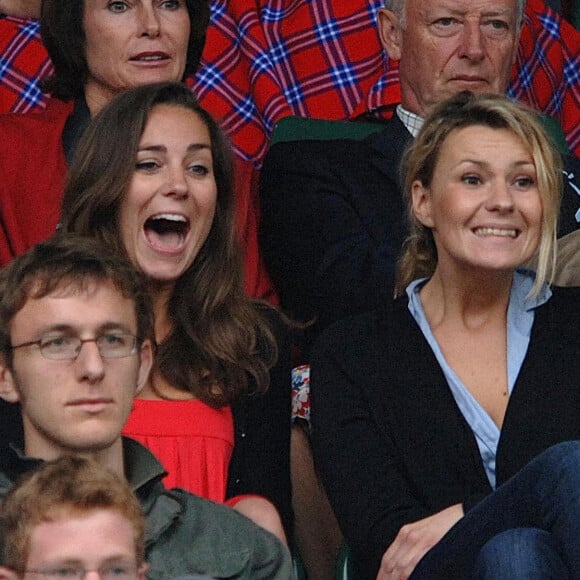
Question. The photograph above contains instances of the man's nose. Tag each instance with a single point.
(90, 362)
(472, 39)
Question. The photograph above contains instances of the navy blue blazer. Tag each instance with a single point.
(389, 440)
(332, 223)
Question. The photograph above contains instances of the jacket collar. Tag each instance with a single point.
(388, 145)
(141, 467)
(142, 470)
(74, 127)
(393, 138)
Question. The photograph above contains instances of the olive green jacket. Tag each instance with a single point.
(184, 533)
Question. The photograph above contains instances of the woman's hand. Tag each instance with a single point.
(414, 540)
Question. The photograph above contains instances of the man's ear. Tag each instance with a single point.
(8, 390)
(390, 33)
(145, 364)
(8, 574)
(421, 202)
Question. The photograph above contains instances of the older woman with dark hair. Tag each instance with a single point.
(95, 51)
(444, 424)
(152, 178)
(99, 48)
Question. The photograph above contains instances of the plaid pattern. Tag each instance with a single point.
(322, 58)
(412, 121)
(319, 58)
(548, 71)
(23, 63)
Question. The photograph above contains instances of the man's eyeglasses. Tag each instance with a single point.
(120, 571)
(64, 347)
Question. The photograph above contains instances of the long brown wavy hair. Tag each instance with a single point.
(219, 337)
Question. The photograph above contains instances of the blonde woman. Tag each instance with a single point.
(442, 424)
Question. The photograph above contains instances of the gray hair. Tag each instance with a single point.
(399, 7)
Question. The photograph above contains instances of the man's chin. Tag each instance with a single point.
(93, 443)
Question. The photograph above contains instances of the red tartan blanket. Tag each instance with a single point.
(267, 59)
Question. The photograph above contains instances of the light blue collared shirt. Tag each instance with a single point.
(520, 319)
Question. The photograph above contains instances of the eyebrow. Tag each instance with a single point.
(102, 328)
(120, 558)
(485, 164)
(163, 149)
(488, 13)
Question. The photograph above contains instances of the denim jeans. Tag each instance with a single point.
(529, 527)
(521, 553)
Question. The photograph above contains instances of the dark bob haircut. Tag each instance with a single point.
(61, 29)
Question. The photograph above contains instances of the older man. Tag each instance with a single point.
(333, 217)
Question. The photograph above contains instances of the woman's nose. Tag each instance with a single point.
(149, 21)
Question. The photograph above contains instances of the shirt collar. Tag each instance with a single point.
(412, 122)
(519, 299)
(523, 281)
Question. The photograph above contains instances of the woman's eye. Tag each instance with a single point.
(471, 179)
(525, 182)
(171, 4)
(148, 165)
(199, 169)
(117, 6)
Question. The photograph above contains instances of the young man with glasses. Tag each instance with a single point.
(75, 347)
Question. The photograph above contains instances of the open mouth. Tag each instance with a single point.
(166, 232)
(150, 57)
(497, 232)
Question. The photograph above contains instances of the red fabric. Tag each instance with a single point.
(549, 60)
(267, 60)
(190, 439)
(23, 63)
(273, 58)
(31, 185)
(256, 279)
(322, 39)
(31, 190)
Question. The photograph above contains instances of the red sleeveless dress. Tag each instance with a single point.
(193, 442)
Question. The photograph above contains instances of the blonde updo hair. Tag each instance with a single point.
(419, 257)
